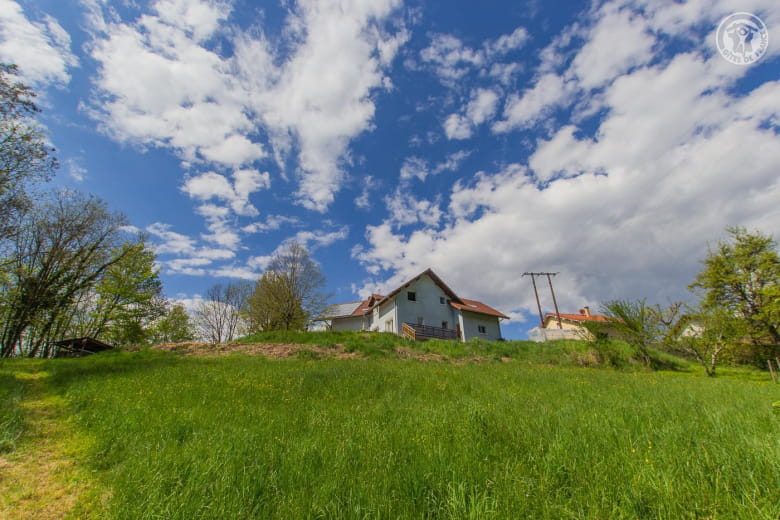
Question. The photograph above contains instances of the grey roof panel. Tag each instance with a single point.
(339, 310)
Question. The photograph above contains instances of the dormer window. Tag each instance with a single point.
(441, 300)
(411, 296)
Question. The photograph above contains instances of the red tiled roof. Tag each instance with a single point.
(576, 317)
(479, 307)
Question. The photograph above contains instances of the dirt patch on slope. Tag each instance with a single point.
(269, 350)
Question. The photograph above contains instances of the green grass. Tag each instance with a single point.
(613, 354)
(247, 437)
(11, 416)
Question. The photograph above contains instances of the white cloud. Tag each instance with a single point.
(509, 42)
(271, 223)
(172, 242)
(211, 185)
(524, 111)
(482, 106)
(457, 127)
(405, 209)
(41, 49)
(618, 42)
(625, 210)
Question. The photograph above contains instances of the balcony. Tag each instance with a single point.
(425, 332)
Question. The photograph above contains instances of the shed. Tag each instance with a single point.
(78, 347)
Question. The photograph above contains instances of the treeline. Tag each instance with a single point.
(736, 315)
(68, 265)
(286, 297)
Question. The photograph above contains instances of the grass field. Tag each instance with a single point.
(249, 437)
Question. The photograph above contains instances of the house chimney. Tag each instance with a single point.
(586, 311)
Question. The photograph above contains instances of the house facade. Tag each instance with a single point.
(422, 308)
(565, 326)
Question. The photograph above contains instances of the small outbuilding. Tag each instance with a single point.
(79, 347)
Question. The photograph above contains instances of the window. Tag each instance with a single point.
(444, 324)
(389, 326)
(441, 300)
(411, 296)
(482, 329)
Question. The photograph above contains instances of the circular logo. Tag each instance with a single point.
(742, 38)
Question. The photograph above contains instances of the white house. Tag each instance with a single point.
(422, 308)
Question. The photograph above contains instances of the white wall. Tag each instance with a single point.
(472, 321)
(355, 323)
(428, 304)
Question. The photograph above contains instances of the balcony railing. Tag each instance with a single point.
(417, 332)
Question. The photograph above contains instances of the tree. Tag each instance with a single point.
(742, 277)
(219, 315)
(173, 327)
(637, 323)
(707, 334)
(126, 299)
(24, 156)
(56, 257)
(287, 296)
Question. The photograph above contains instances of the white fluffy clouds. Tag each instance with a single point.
(163, 81)
(40, 48)
(622, 210)
(211, 185)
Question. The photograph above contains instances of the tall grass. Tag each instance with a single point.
(247, 437)
(11, 416)
(614, 354)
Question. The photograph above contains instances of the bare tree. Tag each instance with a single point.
(219, 315)
(288, 295)
(24, 156)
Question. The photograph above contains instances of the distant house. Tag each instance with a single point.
(565, 326)
(422, 308)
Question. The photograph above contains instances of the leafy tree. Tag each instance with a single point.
(742, 277)
(219, 315)
(708, 334)
(637, 323)
(287, 296)
(58, 255)
(24, 156)
(126, 299)
(174, 327)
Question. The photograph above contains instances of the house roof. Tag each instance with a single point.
(477, 306)
(576, 317)
(85, 344)
(433, 276)
(342, 310)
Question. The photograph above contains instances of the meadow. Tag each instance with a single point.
(174, 437)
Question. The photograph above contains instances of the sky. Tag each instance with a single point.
(607, 141)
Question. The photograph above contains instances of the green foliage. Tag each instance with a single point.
(742, 276)
(287, 296)
(126, 299)
(708, 334)
(403, 439)
(173, 327)
(634, 322)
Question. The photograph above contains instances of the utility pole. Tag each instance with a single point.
(555, 302)
(536, 293)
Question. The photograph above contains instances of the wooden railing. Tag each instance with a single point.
(423, 332)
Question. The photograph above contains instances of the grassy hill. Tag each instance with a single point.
(504, 430)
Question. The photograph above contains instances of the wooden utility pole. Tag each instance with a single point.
(536, 293)
(538, 306)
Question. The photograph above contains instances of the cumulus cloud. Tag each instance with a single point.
(40, 48)
(623, 208)
(310, 100)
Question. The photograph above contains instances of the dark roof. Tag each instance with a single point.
(86, 344)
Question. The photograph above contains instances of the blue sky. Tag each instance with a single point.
(607, 141)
